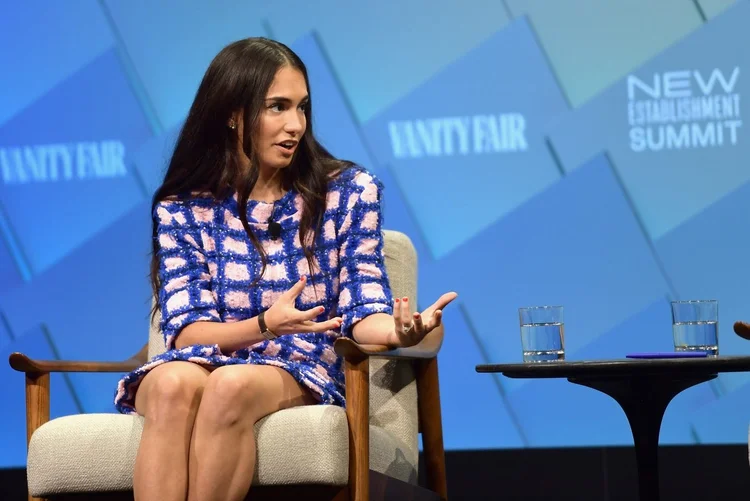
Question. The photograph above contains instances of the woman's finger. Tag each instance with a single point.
(332, 324)
(443, 300)
(295, 290)
(398, 324)
(418, 323)
(437, 318)
(311, 314)
(405, 313)
(328, 325)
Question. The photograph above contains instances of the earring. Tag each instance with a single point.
(232, 125)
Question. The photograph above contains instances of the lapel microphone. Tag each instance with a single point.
(274, 228)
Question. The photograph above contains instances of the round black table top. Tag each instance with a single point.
(620, 367)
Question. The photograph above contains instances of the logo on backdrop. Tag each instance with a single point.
(63, 162)
(448, 136)
(684, 109)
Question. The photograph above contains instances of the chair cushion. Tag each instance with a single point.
(96, 452)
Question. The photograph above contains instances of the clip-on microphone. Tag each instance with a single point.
(274, 228)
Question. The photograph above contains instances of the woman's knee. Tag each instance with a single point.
(231, 395)
(173, 388)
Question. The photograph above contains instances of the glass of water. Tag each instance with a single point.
(542, 333)
(695, 326)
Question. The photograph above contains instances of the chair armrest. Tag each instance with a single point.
(427, 348)
(22, 363)
(357, 372)
(742, 329)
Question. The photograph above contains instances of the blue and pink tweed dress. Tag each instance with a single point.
(207, 265)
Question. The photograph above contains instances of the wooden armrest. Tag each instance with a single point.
(357, 373)
(22, 363)
(427, 348)
(742, 329)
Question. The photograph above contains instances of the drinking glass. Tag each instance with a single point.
(542, 333)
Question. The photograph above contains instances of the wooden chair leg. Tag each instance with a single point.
(357, 374)
(431, 425)
(37, 406)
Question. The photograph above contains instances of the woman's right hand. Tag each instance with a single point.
(284, 318)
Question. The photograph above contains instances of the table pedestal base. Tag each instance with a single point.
(644, 399)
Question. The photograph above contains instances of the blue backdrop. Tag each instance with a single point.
(584, 153)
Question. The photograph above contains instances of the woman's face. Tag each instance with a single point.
(282, 119)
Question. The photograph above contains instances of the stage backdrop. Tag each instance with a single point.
(583, 153)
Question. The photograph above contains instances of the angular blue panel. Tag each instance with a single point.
(333, 122)
(707, 258)
(399, 216)
(152, 158)
(171, 44)
(467, 145)
(576, 244)
(49, 41)
(674, 126)
(6, 336)
(95, 302)
(585, 416)
(647, 330)
(713, 8)
(556, 413)
(382, 50)
(725, 421)
(474, 412)
(10, 275)
(72, 145)
(13, 395)
(591, 44)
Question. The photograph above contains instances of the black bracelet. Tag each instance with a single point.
(264, 330)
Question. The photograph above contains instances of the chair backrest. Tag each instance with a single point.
(393, 388)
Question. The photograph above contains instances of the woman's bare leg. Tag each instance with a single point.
(168, 398)
(222, 452)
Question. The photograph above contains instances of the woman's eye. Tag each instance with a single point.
(303, 106)
(276, 107)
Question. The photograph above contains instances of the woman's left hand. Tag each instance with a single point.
(411, 329)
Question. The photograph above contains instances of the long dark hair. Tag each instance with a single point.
(206, 157)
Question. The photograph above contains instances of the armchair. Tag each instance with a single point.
(367, 451)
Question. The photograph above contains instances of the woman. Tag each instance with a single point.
(250, 310)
